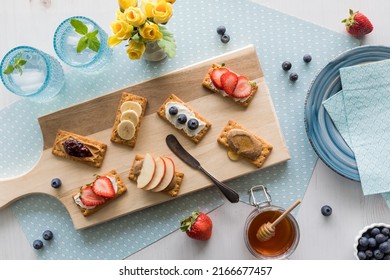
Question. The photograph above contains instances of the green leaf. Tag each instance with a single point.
(78, 26)
(168, 42)
(19, 69)
(9, 70)
(22, 62)
(137, 38)
(18, 58)
(92, 34)
(82, 45)
(94, 44)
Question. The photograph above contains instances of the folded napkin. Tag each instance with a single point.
(361, 113)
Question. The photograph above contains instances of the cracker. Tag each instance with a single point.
(95, 160)
(174, 98)
(207, 83)
(114, 134)
(133, 175)
(266, 147)
(121, 190)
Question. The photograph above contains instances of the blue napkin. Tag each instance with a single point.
(361, 113)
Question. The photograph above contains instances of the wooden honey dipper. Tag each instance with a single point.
(266, 231)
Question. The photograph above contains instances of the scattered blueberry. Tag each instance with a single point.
(369, 253)
(37, 244)
(380, 238)
(286, 65)
(225, 38)
(307, 58)
(182, 119)
(56, 183)
(326, 210)
(293, 77)
(193, 124)
(47, 235)
(363, 241)
(221, 30)
(385, 231)
(375, 231)
(384, 247)
(371, 242)
(173, 110)
(362, 255)
(378, 254)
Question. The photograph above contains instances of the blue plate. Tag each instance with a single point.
(323, 135)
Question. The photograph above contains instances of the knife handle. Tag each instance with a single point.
(230, 194)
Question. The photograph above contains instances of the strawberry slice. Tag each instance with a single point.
(244, 88)
(89, 198)
(229, 82)
(103, 187)
(216, 76)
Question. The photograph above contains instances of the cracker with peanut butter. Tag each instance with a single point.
(240, 142)
(181, 116)
(79, 148)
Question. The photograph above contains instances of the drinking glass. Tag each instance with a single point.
(66, 40)
(40, 78)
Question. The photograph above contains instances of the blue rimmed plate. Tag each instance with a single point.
(323, 135)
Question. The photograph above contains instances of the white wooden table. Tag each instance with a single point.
(320, 238)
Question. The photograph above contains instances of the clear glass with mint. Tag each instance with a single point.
(81, 43)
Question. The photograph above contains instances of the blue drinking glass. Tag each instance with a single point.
(40, 78)
(65, 45)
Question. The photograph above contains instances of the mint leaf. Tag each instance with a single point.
(22, 62)
(82, 45)
(19, 69)
(79, 26)
(94, 44)
(17, 59)
(168, 42)
(92, 34)
(9, 70)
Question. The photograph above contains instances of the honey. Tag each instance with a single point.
(284, 240)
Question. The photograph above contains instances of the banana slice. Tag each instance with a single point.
(126, 130)
(232, 155)
(131, 105)
(130, 115)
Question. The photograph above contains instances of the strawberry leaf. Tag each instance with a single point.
(79, 26)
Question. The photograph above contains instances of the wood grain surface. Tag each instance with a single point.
(94, 118)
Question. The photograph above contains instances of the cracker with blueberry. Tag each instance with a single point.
(181, 116)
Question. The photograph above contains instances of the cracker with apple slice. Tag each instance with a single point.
(156, 174)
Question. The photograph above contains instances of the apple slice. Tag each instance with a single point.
(147, 171)
(158, 175)
(169, 175)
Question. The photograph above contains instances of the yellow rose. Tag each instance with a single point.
(124, 4)
(135, 50)
(135, 16)
(150, 32)
(119, 15)
(161, 11)
(122, 31)
(171, 1)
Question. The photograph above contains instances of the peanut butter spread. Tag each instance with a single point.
(244, 143)
(94, 149)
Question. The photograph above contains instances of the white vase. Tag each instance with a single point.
(153, 52)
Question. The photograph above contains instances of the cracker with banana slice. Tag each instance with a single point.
(130, 113)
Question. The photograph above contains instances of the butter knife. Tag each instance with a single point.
(181, 153)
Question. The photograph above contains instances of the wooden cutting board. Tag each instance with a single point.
(94, 118)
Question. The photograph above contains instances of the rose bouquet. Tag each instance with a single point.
(142, 22)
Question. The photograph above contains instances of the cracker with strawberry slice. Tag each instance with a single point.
(103, 190)
(220, 79)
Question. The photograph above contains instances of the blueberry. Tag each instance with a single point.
(293, 77)
(221, 30)
(182, 119)
(362, 248)
(380, 238)
(378, 254)
(37, 244)
(56, 183)
(326, 210)
(371, 242)
(286, 65)
(375, 231)
(307, 58)
(369, 253)
(387, 257)
(385, 231)
(47, 235)
(225, 38)
(173, 110)
(362, 255)
(363, 241)
(193, 124)
(384, 247)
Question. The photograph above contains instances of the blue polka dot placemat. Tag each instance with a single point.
(276, 36)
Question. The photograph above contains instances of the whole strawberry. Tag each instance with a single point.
(357, 24)
(198, 226)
